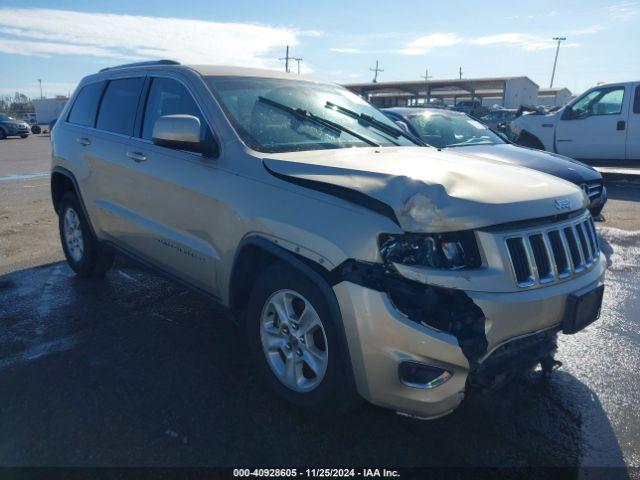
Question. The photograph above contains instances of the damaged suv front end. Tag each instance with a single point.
(471, 286)
(449, 272)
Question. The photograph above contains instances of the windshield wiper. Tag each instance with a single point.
(308, 116)
(373, 122)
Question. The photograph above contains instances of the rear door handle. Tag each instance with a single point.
(136, 156)
(621, 125)
(83, 141)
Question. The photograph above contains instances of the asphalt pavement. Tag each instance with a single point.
(134, 370)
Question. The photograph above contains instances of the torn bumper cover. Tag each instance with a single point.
(478, 338)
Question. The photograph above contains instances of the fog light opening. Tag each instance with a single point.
(419, 375)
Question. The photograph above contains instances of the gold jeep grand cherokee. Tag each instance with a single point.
(361, 263)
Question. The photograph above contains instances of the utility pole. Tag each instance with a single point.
(555, 61)
(460, 73)
(286, 59)
(376, 71)
(40, 82)
(298, 60)
(426, 77)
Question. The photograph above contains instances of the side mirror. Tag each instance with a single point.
(182, 132)
(403, 126)
(568, 114)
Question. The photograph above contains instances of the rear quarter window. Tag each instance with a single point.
(117, 112)
(84, 109)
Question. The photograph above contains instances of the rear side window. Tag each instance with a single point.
(85, 106)
(168, 97)
(636, 103)
(118, 108)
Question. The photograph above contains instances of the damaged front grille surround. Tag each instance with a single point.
(554, 253)
(447, 310)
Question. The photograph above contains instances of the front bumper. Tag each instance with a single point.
(380, 337)
(597, 204)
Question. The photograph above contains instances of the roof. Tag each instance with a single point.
(464, 83)
(208, 70)
(552, 91)
(231, 71)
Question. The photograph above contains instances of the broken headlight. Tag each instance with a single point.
(451, 251)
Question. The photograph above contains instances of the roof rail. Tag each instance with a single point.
(143, 64)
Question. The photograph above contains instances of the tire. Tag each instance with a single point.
(36, 129)
(3, 135)
(24, 136)
(529, 141)
(327, 391)
(84, 253)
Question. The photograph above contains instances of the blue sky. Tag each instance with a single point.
(62, 41)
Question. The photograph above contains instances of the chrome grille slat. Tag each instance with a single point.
(553, 253)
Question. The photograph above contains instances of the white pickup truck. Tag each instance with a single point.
(601, 124)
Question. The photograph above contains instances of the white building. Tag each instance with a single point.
(48, 109)
(554, 97)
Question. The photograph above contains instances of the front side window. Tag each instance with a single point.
(168, 97)
(443, 130)
(84, 109)
(117, 112)
(282, 115)
(604, 101)
(636, 103)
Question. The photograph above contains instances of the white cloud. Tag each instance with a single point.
(345, 50)
(520, 40)
(59, 32)
(624, 10)
(426, 43)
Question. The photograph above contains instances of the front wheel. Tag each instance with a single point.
(295, 343)
(83, 252)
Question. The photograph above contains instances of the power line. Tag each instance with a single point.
(376, 70)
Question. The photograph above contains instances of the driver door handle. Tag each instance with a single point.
(621, 125)
(83, 141)
(136, 156)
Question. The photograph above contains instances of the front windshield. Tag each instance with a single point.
(281, 115)
(4, 118)
(443, 130)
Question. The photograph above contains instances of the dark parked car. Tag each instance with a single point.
(450, 129)
(9, 127)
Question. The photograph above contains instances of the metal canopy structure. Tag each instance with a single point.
(406, 92)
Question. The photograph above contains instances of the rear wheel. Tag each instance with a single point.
(294, 341)
(24, 136)
(3, 135)
(36, 129)
(83, 252)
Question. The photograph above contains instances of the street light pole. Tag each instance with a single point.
(555, 61)
(40, 82)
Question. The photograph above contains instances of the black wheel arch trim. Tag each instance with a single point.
(67, 173)
(314, 274)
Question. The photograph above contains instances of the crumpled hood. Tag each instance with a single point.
(431, 190)
(552, 163)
